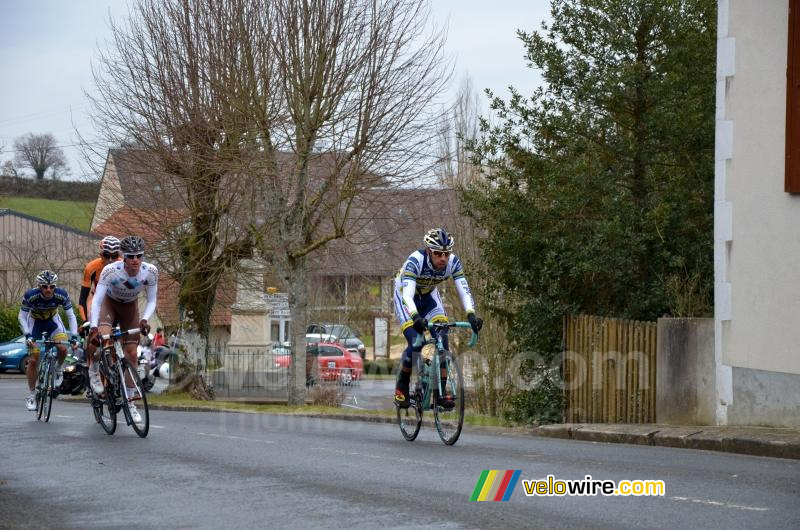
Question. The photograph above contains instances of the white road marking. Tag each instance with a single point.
(709, 502)
(377, 457)
(60, 416)
(353, 406)
(157, 426)
(227, 437)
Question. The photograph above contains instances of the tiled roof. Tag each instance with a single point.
(386, 226)
(167, 308)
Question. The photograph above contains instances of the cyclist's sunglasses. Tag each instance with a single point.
(111, 255)
(47, 286)
(440, 253)
(134, 256)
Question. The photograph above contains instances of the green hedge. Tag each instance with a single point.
(9, 325)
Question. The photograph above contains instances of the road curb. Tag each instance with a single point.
(756, 441)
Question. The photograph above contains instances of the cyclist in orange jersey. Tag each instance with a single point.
(109, 251)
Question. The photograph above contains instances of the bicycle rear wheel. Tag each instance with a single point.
(143, 427)
(105, 413)
(449, 420)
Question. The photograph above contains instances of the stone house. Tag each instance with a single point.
(351, 277)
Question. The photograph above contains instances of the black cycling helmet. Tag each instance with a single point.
(439, 239)
(46, 277)
(132, 245)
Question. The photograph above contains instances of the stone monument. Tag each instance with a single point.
(250, 313)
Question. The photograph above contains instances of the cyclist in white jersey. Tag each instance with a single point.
(115, 300)
(417, 300)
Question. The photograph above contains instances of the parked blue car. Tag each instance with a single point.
(14, 355)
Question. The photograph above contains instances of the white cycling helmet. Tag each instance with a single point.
(46, 277)
(109, 245)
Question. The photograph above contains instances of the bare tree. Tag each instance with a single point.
(264, 121)
(41, 153)
(164, 91)
(350, 87)
(9, 169)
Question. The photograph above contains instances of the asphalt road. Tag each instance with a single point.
(213, 470)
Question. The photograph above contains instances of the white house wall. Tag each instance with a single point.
(757, 224)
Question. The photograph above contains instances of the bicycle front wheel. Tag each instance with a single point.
(40, 388)
(410, 420)
(448, 408)
(141, 427)
(105, 413)
(49, 389)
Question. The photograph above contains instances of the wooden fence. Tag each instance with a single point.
(609, 370)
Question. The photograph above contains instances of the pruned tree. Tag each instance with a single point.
(41, 153)
(348, 92)
(161, 89)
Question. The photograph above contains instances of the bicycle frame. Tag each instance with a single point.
(112, 355)
(45, 374)
(431, 368)
(443, 368)
(113, 369)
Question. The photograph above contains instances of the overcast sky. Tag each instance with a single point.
(47, 46)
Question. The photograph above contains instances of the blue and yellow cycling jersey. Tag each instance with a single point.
(419, 269)
(41, 308)
(418, 278)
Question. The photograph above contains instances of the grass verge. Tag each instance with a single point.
(184, 400)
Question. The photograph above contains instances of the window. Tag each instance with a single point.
(330, 351)
(793, 101)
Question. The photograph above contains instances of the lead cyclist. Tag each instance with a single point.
(417, 301)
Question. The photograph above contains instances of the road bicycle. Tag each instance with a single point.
(45, 377)
(434, 378)
(114, 368)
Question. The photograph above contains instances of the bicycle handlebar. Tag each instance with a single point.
(116, 333)
(48, 342)
(473, 340)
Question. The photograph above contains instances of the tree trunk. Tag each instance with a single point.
(297, 282)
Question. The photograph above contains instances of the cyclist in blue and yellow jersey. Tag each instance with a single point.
(417, 299)
(39, 314)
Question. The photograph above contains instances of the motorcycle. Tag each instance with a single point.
(152, 364)
(76, 375)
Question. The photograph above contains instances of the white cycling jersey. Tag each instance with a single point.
(115, 283)
(418, 277)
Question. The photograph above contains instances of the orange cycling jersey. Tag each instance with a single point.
(91, 274)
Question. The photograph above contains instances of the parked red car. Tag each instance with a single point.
(334, 362)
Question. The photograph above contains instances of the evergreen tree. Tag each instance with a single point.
(599, 188)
